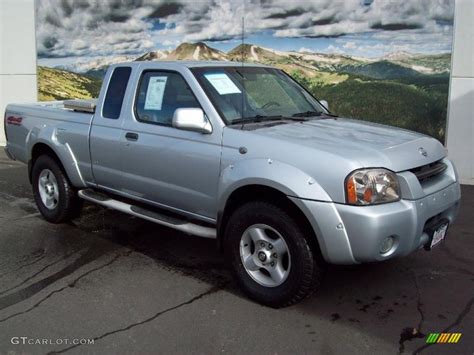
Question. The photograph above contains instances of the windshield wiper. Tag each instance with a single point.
(307, 114)
(261, 118)
(330, 115)
(257, 118)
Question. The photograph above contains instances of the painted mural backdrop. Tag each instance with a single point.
(386, 61)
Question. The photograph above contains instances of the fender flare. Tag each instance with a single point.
(282, 177)
(52, 138)
(271, 173)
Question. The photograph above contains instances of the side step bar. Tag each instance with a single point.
(152, 216)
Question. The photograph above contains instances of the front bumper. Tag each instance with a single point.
(354, 234)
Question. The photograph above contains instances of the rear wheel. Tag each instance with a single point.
(270, 256)
(54, 195)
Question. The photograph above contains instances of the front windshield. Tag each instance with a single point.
(246, 93)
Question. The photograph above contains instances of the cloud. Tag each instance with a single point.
(221, 19)
(205, 21)
(394, 26)
(167, 42)
(333, 49)
(166, 9)
(381, 43)
(68, 28)
(349, 45)
(91, 27)
(329, 18)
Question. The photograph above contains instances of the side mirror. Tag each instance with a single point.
(191, 119)
(325, 104)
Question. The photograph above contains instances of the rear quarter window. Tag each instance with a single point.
(115, 92)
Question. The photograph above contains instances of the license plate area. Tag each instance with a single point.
(437, 233)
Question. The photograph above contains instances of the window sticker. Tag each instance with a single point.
(155, 92)
(222, 83)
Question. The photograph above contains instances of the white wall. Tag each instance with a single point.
(460, 138)
(17, 54)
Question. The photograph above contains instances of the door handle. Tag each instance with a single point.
(131, 136)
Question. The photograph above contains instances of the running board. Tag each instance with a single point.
(149, 215)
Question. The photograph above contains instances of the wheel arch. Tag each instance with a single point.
(68, 203)
(42, 148)
(262, 192)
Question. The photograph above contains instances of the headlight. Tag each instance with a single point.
(372, 186)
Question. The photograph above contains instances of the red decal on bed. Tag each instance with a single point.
(13, 120)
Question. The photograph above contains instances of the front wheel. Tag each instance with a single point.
(270, 255)
(54, 195)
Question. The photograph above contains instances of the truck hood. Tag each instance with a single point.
(370, 144)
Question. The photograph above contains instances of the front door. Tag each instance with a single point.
(174, 168)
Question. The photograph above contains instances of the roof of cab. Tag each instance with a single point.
(190, 64)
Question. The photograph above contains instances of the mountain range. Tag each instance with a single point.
(393, 65)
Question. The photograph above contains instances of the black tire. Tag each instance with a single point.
(306, 271)
(68, 205)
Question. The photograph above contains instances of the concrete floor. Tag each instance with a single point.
(136, 287)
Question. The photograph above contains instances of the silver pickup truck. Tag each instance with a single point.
(245, 155)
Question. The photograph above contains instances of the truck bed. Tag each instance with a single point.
(53, 121)
(84, 106)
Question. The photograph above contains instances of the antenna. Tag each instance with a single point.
(243, 41)
(242, 61)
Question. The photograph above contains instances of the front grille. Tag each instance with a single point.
(429, 171)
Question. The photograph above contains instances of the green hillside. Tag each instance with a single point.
(419, 106)
(380, 70)
(435, 62)
(56, 84)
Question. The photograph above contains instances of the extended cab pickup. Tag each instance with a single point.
(243, 154)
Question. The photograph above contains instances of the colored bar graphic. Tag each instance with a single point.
(443, 337)
(451, 338)
(455, 337)
(432, 338)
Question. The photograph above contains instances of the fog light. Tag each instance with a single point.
(387, 245)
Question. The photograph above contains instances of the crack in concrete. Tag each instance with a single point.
(37, 272)
(455, 270)
(31, 215)
(25, 257)
(39, 258)
(408, 333)
(458, 321)
(418, 303)
(93, 253)
(69, 285)
(210, 291)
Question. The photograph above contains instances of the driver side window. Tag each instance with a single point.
(160, 93)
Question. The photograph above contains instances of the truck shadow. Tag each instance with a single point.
(381, 299)
(200, 258)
